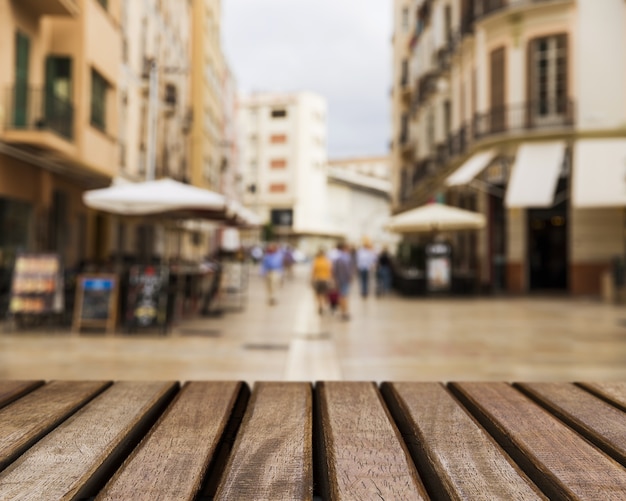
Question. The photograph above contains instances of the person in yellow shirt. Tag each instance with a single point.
(321, 276)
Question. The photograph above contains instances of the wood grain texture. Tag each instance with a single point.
(70, 461)
(556, 458)
(615, 393)
(12, 390)
(172, 460)
(600, 422)
(456, 458)
(272, 456)
(25, 421)
(363, 456)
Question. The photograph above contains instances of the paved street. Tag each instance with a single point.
(391, 338)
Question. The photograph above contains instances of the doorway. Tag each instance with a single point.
(547, 248)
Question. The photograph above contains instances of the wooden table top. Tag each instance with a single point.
(131, 440)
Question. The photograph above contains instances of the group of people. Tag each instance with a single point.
(332, 274)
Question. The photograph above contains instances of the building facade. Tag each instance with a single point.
(59, 68)
(359, 199)
(284, 165)
(207, 143)
(517, 109)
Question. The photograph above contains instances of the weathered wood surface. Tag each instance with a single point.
(23, 422)
(363, 454)
(172, 460)
(562, 463)
(601, 423)
(272, 457)
(457, 458)
(341, 440)
(11, 390)
(69, 462)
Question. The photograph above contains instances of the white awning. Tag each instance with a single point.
(599, 173)
(470, 168)
(535, 174)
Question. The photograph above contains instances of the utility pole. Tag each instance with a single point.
(153, 110)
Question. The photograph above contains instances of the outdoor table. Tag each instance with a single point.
(333, 440)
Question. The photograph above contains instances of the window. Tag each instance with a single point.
(498, 90)
(104, 3)
(279, 113)
(447, 14)
(22, 58)
(447, 117)
(278, 188)
(405, 19)
(278, 163)
(99, 88)
(548, 77)
(278, 138)
(58, 110)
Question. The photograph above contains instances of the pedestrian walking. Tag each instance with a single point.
(271, 269)
(321, 277)
(342, 274)
(383, 273)
(365, 261)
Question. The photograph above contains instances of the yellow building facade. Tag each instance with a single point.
(59, 67)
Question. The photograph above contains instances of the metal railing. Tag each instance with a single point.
(534, 115)
(38, 109)
(484, 8)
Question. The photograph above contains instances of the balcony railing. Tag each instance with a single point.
(535, 115)
(484, 8)
(36, 109)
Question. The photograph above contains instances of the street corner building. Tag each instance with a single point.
(516, 110)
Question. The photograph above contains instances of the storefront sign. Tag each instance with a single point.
(147, 296)
(37, 285)
(438, 266)
(96, 302)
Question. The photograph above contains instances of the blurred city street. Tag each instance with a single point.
(390, 338)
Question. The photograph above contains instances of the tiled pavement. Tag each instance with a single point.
(390, 338)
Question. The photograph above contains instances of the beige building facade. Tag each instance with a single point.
(59, 67)
(207, 144)
(517, 109)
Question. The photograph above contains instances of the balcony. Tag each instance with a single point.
(485, 8)
(51, 7)
(36, 117)
(541, 116)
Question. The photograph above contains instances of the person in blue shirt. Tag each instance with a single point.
(272, 269)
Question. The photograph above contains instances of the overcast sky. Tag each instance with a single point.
(340, 49)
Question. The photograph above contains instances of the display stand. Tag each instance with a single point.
(147, 302)
(96, 302)
(36, 289)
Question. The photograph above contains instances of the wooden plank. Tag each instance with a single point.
(556, 458)
(272, 457)
(600, 422)
(614, 393)
(25, 421)
(173, 459)
(75, 460)
(456, 458)
(362, 453)
(12, 390)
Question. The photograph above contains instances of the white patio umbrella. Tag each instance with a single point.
(435, 217)
(154, 197)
